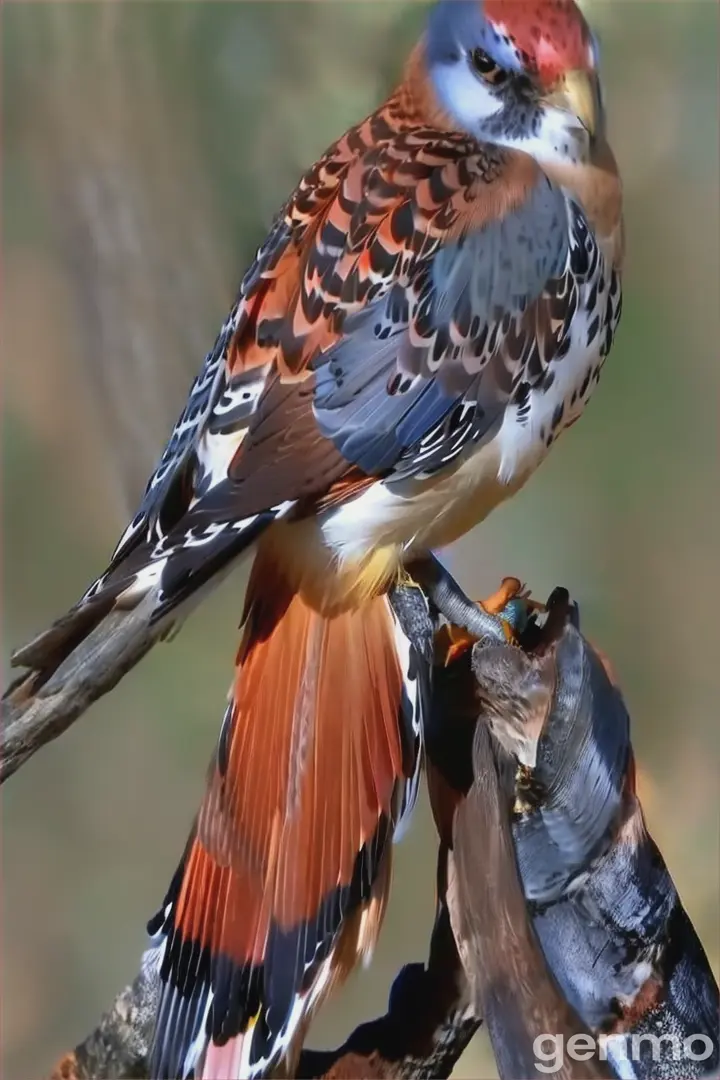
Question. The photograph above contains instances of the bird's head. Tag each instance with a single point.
(518, 73)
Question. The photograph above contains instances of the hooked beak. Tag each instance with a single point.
(577, 92)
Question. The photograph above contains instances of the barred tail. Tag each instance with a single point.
(283, 884)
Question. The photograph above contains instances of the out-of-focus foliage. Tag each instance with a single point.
(146, 147)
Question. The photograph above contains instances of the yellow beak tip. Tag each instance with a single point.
(577, 93)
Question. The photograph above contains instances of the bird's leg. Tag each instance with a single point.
(500, 618)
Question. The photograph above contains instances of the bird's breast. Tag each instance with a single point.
(415, 514)
(354, 549)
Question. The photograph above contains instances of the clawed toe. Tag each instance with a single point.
(501, 618)
(511, 606)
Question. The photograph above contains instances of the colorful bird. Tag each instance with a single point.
(431, 308)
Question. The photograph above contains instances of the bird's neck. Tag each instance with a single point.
(597, 187)
(414, 102)
(595, 184)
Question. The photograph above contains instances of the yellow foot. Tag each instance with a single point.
(510, 587)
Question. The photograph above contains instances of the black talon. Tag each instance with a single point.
(560, 598)
(575, 614)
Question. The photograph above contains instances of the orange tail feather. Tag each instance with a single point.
(285, 878)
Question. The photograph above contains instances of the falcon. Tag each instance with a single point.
(431, 308)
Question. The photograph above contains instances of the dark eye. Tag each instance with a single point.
(484, 66)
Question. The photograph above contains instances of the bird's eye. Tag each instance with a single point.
(484, 66)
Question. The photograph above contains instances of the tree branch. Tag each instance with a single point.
(565, 917)
(426, 1028)
(514, 991)
(32, 717)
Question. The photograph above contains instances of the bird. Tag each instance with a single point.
(430, 310)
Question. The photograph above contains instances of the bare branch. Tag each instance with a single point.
(515, 992)
(427, 1027)
(119, 1045)
(566, 918)
(33, 717)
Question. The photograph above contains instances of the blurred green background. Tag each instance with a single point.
(146, 147)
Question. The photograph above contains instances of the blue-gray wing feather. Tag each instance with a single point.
(432, 365)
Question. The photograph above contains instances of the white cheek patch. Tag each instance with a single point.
(464, 97)
(559, 138)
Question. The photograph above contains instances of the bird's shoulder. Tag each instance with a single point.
(453, 181)
(371, 215)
